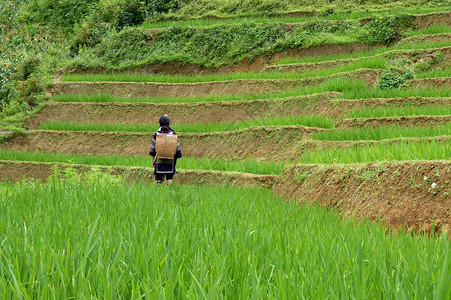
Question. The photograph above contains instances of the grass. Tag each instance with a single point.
(308, 120)
(98, 238)
(372, 63)
(434, 29)
(351, 89)
(185, 163)
(381, 133)
(399, 151)
(361, 54)
(436, 73)
(398, 111)
(205, 22)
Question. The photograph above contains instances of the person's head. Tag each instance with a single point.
(164, 120)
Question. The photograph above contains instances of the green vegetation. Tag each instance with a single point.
(108, 239)
(405, 150)
(383, 132)
(185, 163)
(402, 110)
(307, 120)
(373, 63)
(434, 29)
(199, 22)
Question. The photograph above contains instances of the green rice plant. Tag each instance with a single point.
(400, 110)
(185, 163)
(434, 29)
(361, 54)
(95, 237)
(373, 63)
(307, 120)
(351, 89)
(404, 150)
(382, 132)
(436, 73)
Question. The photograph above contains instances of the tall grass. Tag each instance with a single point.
(361, 54)
(185, 163)
(402, 110)
(100, 239)
(373, 63)
(436, 73)
(434, 29)
(381, 133)
(351, 89)
(420, 150)
(308, 120)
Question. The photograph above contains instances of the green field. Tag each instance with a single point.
(345, 209)
(106, 239)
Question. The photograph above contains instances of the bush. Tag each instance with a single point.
(394, 78)
(386, 30)
(7, 84)
(28, 67)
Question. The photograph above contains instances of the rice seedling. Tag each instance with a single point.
(185, 163)
(434, 29)
(381, 133)
(308, 120)
(436, 73)
(351, 89)
(94, 237)
(418, 150)
(373, 63)
(400, 110)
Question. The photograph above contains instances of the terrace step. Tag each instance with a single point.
(400, 194)
(181, 113)
(14, 171)
(231, 87)
(302, 67)
(285, 143)
(390, 121)
(427, 38)
(442, 82)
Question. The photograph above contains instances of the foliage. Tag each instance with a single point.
(386, 30)
(394, 78)
(107, 239)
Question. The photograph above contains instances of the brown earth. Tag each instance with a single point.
(410, 194)
(181, 113)
(277, 144)
(402, 194)
(428, 38)
(395, 54)
(325, 104)
(232, 87)
(439, 83)
(390, 121)
(14, 171)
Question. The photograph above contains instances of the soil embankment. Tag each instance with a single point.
(232, 87)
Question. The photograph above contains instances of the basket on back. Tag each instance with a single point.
(166, 145)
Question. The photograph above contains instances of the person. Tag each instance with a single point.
(165, 166)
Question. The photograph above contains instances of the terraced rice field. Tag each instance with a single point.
(301, 110)
(311, 126)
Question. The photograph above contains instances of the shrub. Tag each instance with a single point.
(394, 78)
(386, 30)
(27, 67)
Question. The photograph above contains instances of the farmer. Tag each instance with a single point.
(165, 150)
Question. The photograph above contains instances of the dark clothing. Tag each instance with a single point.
(160, 177)
(164, 167)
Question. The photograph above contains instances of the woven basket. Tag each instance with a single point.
(166, 145)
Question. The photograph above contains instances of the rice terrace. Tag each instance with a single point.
(316, 141)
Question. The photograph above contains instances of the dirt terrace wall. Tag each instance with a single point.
(232, 87)
(276, 144)
(411, 194)
(395, 121)
(14, 171)
(180, 113)
(439, 83)
(259, 142)
(419, 54)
